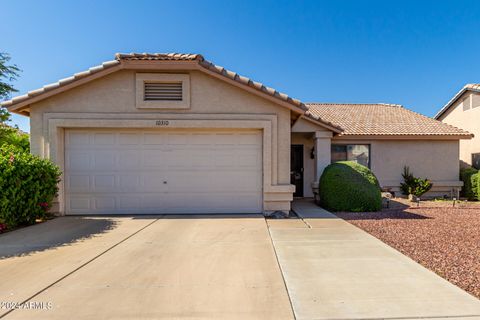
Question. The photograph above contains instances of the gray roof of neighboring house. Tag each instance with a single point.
(467, 87)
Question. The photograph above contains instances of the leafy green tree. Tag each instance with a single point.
(14, 137)
(8, 73)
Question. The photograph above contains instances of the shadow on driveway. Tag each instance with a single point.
(51, 234)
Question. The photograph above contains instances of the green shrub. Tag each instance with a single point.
(15, 137)
(349, 186)
(466, 176)
(28, 186)
(475, 183)
(414, 185)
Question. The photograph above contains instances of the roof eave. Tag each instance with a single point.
(452, 101)
(317, 120)
(47, 91)
(405, 137)
(19, 104)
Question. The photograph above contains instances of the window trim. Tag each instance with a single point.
(142, 78)
(354, 144)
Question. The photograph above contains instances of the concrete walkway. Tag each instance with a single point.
(333, 270)
(175, 267)
(217, 267)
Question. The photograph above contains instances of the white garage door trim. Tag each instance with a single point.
(146, 171)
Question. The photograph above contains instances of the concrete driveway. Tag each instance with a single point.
(195, 267)
(214, 267)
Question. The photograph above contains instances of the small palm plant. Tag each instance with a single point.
(413, 185)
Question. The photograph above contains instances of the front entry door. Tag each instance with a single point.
(296, 172)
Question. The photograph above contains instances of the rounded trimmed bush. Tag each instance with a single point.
(28, 184)
(349, 186)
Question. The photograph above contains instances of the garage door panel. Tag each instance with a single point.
(154, 139)
(104, 138)
(126, 202)
(249, 139)
(104, 203)
(129, 159)
(129, 182)
(126, 171)
(129, 139)
(154, 201)
(154, 182)
(176, 139)
(77, 161)
(78, 183)
(78, 139)
(154, 158)
(79, 204)
(104, 160)
(104, 182)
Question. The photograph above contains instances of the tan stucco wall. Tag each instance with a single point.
(468, 120)
(435, 160)
(304, 125)
(113, 97)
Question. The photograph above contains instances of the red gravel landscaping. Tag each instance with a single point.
(443, 238)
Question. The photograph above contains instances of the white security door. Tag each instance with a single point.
(146, 171)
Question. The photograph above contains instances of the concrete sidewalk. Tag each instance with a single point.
(333, 270)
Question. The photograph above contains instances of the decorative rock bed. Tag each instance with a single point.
(441, 237)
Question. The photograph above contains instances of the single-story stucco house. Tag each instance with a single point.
(463, 111)
(175, 133)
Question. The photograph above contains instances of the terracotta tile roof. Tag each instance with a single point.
(159, 56)
(381, 119)
(119, 57)
(467, 87)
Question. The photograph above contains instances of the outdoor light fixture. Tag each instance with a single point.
(312, 153)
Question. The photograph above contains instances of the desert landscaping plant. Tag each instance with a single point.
(468, 187)
(412, 185)
(349, 186)
(28, 186)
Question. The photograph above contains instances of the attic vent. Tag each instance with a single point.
(163, 91)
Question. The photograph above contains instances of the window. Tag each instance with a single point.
(476, 160)
(359, 153)
(466, 103)
(162, 90)
(475, 100)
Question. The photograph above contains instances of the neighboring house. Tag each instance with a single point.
(174, 133)
(463, 111)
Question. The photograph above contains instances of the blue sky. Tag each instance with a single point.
(414, 53)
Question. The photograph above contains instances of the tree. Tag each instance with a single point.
(8, 73)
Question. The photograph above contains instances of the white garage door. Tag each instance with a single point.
(142, 171)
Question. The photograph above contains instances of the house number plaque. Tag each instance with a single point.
(162, 123)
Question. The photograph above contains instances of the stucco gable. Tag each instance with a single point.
(471, 87)
(116, 92)
(155, 63)
(309, 125)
